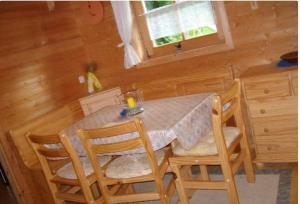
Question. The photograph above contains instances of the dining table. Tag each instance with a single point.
(185, 118)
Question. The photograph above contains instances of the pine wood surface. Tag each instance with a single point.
(51, 123)
(142, 140)
(278, 86)
(42, 53)
(272, 105)
(91, 104)
(224, 156)
(66, 152)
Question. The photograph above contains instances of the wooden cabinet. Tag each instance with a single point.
(270, 94)
(92, 103)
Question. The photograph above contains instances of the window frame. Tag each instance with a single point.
(208, 44)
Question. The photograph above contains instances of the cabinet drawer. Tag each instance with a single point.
(273, 107)
(277, 147)
(275, 125)
(274, 88)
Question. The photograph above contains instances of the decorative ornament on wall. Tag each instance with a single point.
(92, 12)
(93, 82)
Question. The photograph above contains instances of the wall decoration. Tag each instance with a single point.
(93, 82)
(92, 12)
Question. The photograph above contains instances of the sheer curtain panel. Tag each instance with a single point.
(123, 17)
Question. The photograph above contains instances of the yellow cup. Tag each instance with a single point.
(131, 102)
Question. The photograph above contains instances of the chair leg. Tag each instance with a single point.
(130, 190)
(179, 185)
(294, 184)
(54, 188)
(231, 186)
(248, 165)
(87, 193)
(204, 173)
(160, 189)
(171, 189)
(186, 174)
(57, 201)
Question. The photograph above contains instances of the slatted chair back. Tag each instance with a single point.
(53, 152)
(141, 141)
(232, 150)
(225, 107)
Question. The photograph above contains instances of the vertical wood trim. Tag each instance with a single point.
(15, 177)
(249, 126)
(291, 85)
(221, 10)
(218, 19)
(142, 25)
(294, 184)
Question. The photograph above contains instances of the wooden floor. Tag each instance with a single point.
(6, 195)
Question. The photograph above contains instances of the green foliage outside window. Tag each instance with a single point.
(150, 5)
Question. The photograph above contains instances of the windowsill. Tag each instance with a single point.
(216, 48)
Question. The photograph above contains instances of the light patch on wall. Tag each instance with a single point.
(50, 5)
(81, 79)
(254, 5)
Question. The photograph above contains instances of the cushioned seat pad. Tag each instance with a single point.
(68, 172)
(133, 165)
(206, 146)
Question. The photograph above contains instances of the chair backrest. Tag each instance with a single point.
(142, 140)
(47, 124)
(54, 151)
(225, 107)
(95, 102)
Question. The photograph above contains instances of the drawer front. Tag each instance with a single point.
(275, 125)
(283, 147)
(273, 107)
(274, 88)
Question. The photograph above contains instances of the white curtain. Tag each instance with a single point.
(176, 18)
(123, 16)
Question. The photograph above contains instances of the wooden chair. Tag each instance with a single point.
(128, 169)
(96, 101)
(225, 146)
(67, 175)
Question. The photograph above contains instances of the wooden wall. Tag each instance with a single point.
(42, 53)
(260, 37)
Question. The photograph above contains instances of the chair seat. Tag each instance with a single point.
(67, 171)
(133, 165)
(206, 146)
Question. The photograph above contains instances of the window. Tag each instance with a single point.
(178, 29)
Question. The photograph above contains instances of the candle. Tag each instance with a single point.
(131, 102)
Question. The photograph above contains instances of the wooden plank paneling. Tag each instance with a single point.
(42, 53)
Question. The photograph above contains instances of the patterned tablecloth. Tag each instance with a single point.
(186, 118)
